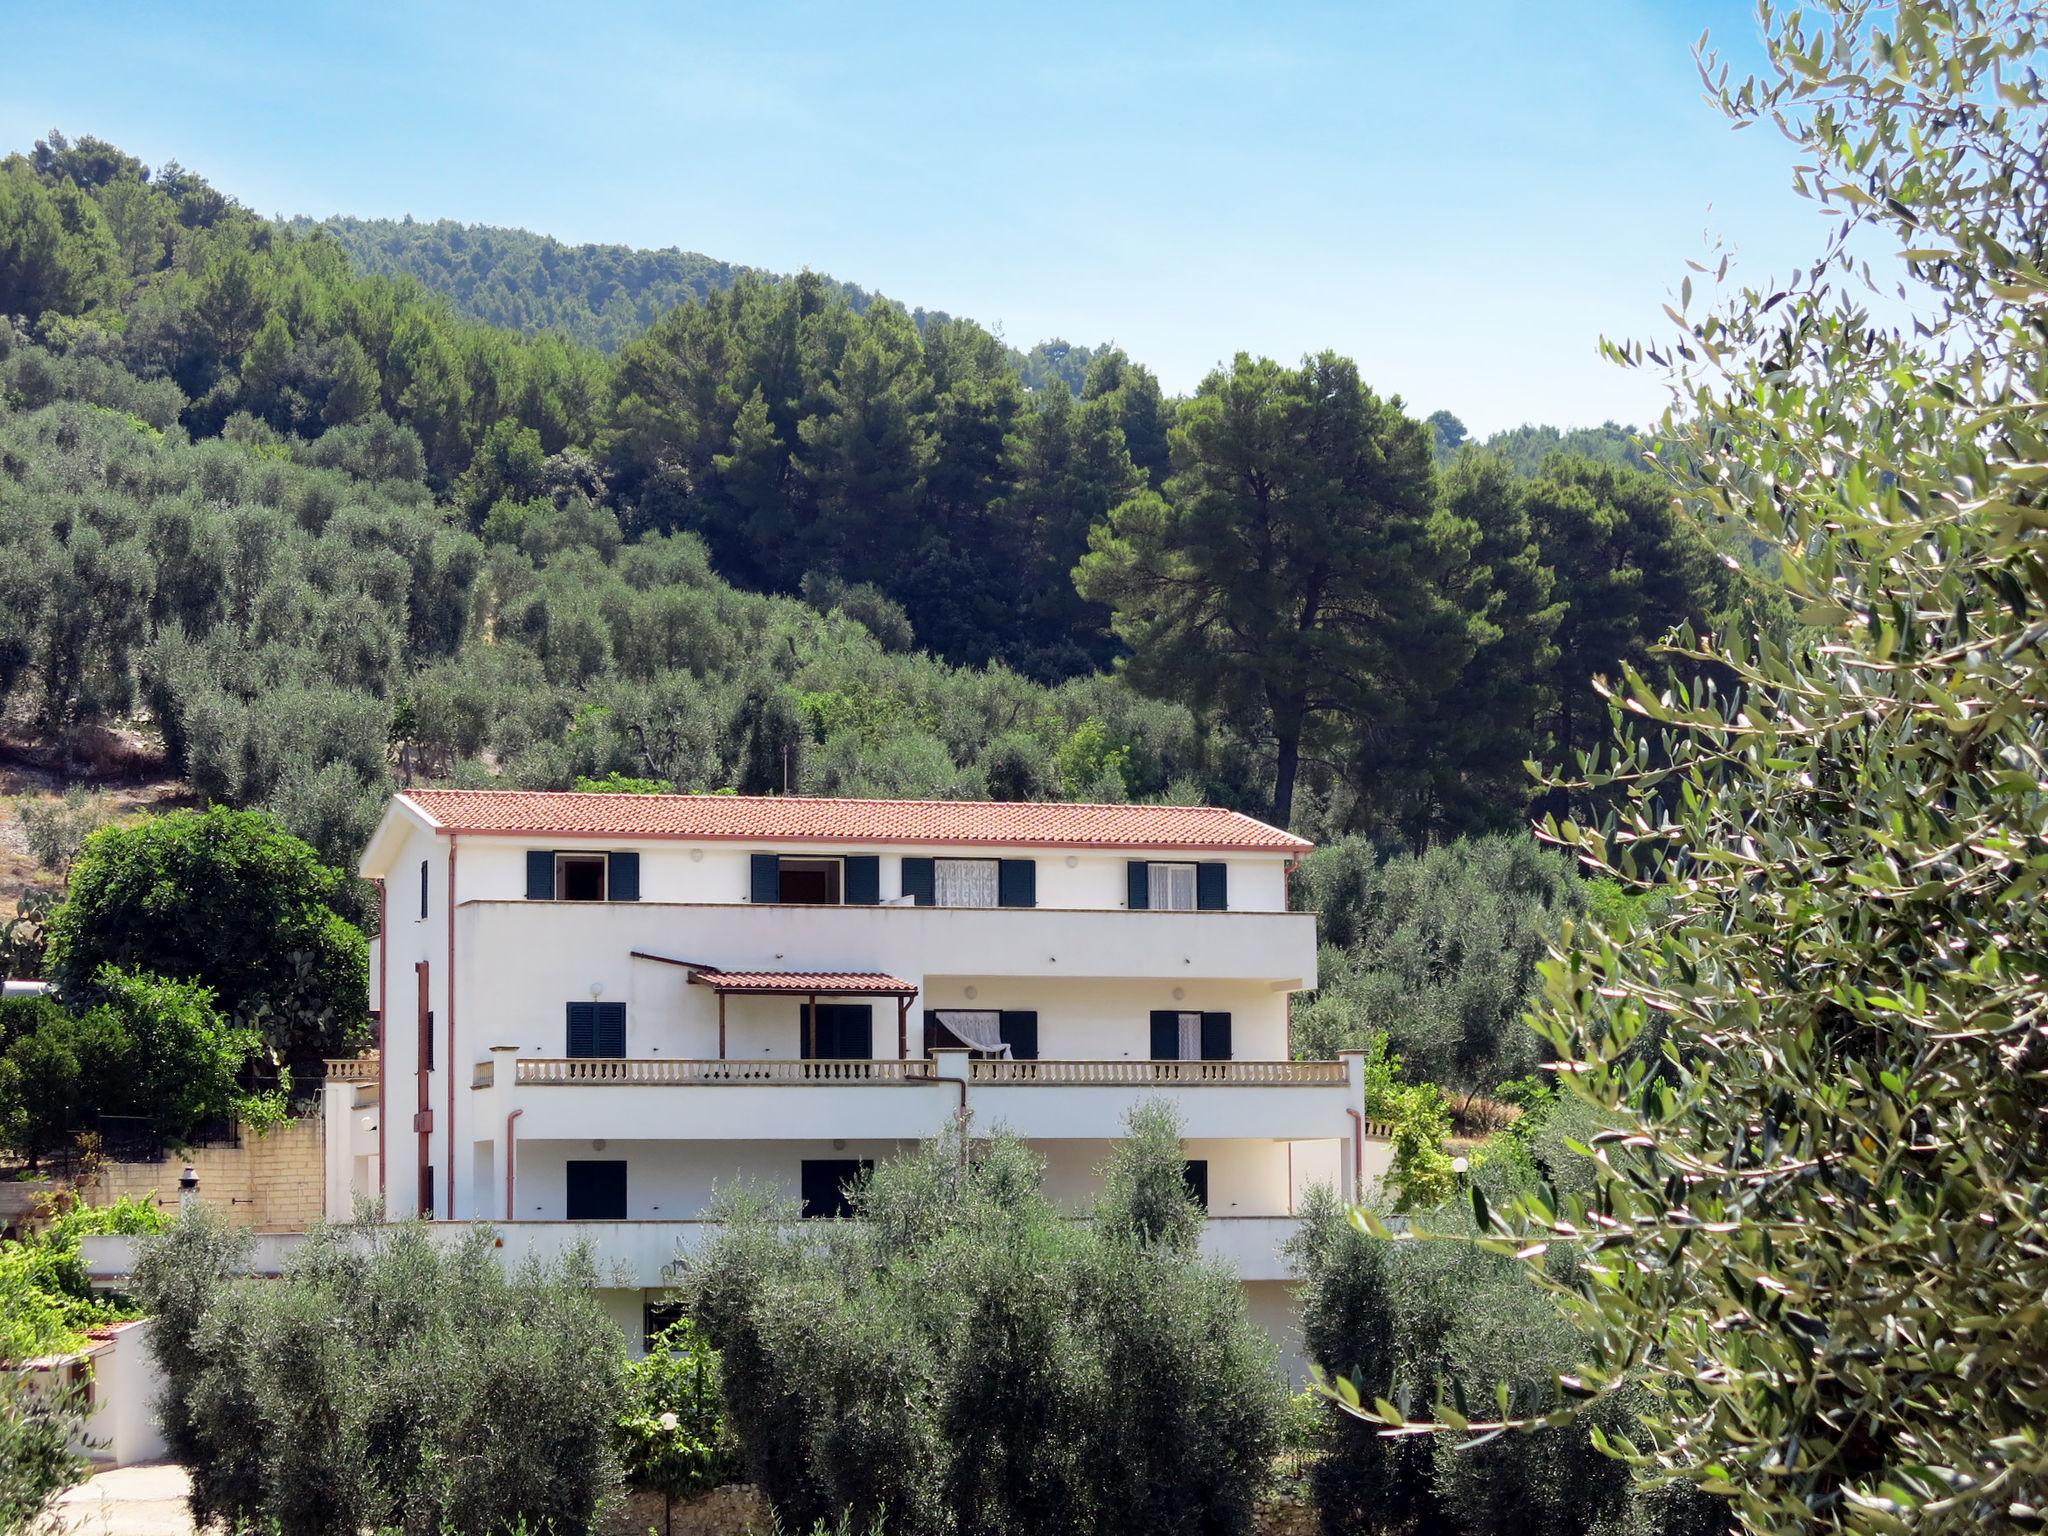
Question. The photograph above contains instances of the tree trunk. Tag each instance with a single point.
(1287, 764)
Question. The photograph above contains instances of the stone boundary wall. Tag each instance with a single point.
(275, 1180)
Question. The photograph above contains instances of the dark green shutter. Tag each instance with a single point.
(1020, 1033)
(863, 880)
(582, 1030)
(540, 874)
(610, 1030)
(1017, 883)
(1215, 1037)
(1139, 885)
(918, 881)
(622, 879)
(1165, 1035)
(1212, 887)
(594, 1191)
(767, 889)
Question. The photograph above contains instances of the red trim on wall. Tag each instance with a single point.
(448, 1064)
(423, 1118)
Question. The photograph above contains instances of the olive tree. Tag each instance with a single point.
(1820, 1230)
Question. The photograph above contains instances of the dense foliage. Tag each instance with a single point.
(38, 1428)
(1415, 1322)
(1435, 953)
(1820, 1224)
(672, 1431)
(387, 1381)
(46, 1299)
(601, 295)
(127, 1043)
(314, 520)
(967, 1358)
(226, 901)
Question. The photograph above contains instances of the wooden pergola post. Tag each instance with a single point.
(813, 1052)
(902, 1028)
(721, 1026)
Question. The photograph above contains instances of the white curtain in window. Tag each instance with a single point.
(964, 882)
(1190, 1035)
(982, 1028)
(1171, 887)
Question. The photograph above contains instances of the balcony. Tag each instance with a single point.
(528, 940)
(637, 1255)
(710, 1100)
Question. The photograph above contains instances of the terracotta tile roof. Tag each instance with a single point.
(797, 819)
(838, 983)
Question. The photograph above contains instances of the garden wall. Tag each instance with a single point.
(274, 1180)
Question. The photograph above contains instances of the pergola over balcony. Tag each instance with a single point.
(809, 985)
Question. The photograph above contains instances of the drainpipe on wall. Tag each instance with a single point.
(950, 1065)
(383, 1056)
(447, 1200)
(511, 1162)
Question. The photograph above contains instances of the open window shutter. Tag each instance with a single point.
(582, 1030)
(1212, 887)
(767, 888)
(1165, 1035)
(1017, 883)
(622, 876)
(917, 881)
(611, 1029)
(1195, 1178)
(540, 874)
(863, 880)
(1020, 1033)
(856, 1032)
(1215, 1037)
(1139, 885)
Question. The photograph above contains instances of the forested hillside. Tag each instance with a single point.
(322, 530)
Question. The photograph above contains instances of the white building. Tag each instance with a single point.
(595, 1008)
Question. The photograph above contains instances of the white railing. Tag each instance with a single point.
(644, 1070)
(353, 1069)
(1152, 1073)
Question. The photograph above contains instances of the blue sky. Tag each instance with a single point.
(1463, 198)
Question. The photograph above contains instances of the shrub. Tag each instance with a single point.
(56, 830)
(386, 1381)
(965, 1358)
(46, 1300)
(37, 1431)
(672, 1430)
(230, 901)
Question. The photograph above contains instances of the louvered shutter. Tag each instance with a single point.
(1165, 1035)
(1138, 885)
(582, 1039)
(1019, 1029)
(1212, 887)
(610, 1030)
(918, 881)
(1215, 1037)
(622, 876)
(540, 874)
(863, 880)
(1017, 883)
(767, 886)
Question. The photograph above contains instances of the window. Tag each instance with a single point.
(1170, 888)
(1174, 886)
(810, 882)
(1195, 1175)
(579, 877)
(964, 882)
(824, 1184)
(656, 1318)
(839, 1032)
(423, 890)
(553, 876)
(427, 1191)
(1182, 1036)
(984, 1031)
(596, 1190)
(596, 1029)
